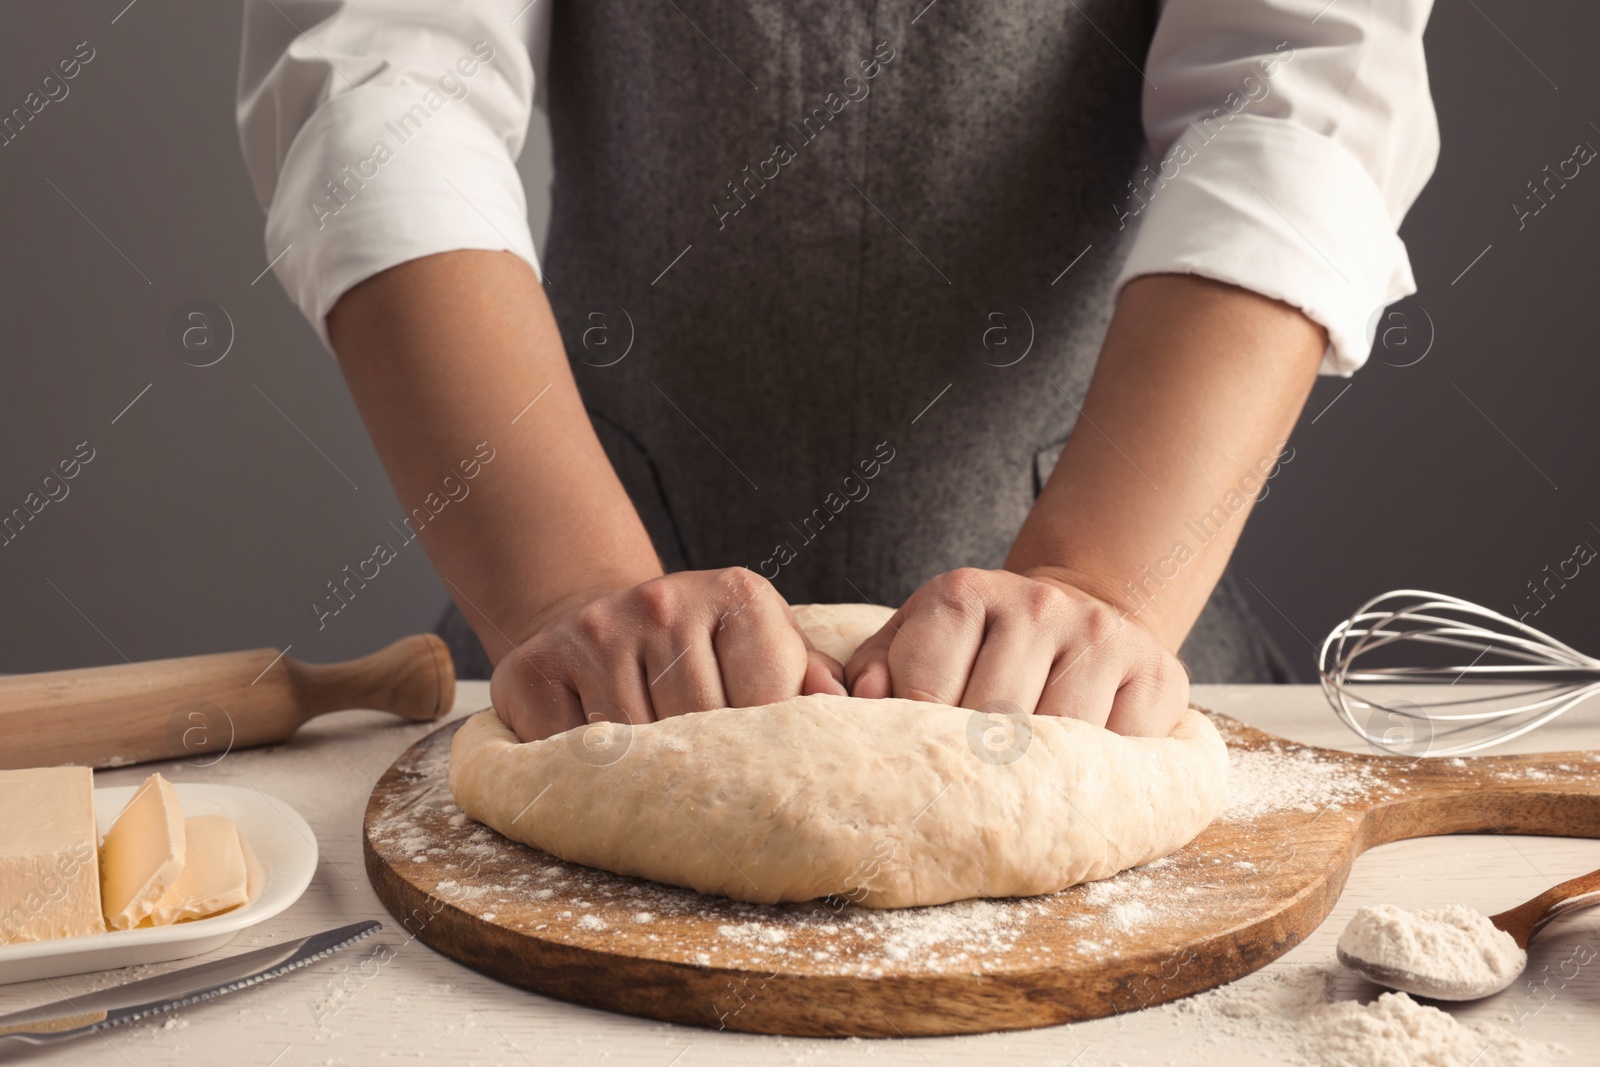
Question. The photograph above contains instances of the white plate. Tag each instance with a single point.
(284, 846)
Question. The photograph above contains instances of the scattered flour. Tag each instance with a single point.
(1396, 1031)
(1273, 779)
(1247, 1007)
(1459, 954)
(1296, 1012)
(971, 935)
(1131, 900)
(1130, 914)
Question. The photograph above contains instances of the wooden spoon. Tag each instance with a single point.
(1525, 920)
(1521, 922)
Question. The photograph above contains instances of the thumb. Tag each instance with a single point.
(824, 674)
(867, 673)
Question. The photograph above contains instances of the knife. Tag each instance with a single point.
(133, 1001)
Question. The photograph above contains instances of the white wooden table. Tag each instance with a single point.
(423, 1007)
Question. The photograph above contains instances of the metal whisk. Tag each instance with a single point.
(1550, 676)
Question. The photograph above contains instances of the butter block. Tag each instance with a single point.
(49, 874)
(215, 877)
(143, 854)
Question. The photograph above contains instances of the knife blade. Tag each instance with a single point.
(132, 1001)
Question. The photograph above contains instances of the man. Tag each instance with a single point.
(835, 282)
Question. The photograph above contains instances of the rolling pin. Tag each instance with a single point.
(199, 708)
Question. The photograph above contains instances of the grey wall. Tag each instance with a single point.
(1471, 471)
(209, 519)
(218, 505)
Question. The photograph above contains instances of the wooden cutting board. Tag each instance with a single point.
(1252, 886)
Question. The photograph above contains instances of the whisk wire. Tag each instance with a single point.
(1517, 653)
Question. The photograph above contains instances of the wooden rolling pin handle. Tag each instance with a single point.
(412, 678)
(200, 708)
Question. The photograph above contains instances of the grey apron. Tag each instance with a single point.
(810, 264)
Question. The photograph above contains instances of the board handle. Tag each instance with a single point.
(1554, 794)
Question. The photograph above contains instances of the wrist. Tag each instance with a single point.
(556, 604)
(1085, 584)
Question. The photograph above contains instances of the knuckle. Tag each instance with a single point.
(740, 584)
(751, 604)
(589, 626)
(1043, 603)
(655, 602)
(1097, 622)
(963, 590)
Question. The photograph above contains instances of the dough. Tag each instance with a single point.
(838, 628)
(886, 803)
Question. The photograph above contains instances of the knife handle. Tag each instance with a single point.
(201, 707)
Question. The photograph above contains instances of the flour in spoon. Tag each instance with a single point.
(1453, 948)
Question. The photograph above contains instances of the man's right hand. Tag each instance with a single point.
(690, 641)
(448, 350)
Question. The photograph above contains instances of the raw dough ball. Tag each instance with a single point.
(887, 803)
(838, 629)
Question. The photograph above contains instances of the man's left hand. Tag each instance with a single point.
(1000, 641)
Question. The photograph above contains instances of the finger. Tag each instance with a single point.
(932, 655)
(867, 673)
(824, 674)
(681, 673)
(614, 689)
(762, 656)
(1152, 698)
(1082, 685)
(1013, 665)
(532, 702)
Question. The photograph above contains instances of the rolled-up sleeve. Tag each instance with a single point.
(1292, 139)
(375, 133)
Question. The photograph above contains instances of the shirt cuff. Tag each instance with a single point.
(361, 191)
(1273, 207)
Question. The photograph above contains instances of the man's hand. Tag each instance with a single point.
(979, 639)
(690, 641)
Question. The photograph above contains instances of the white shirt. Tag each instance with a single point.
(1293, 136)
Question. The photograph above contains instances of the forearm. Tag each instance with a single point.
(447, 351)
(1196, 385)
